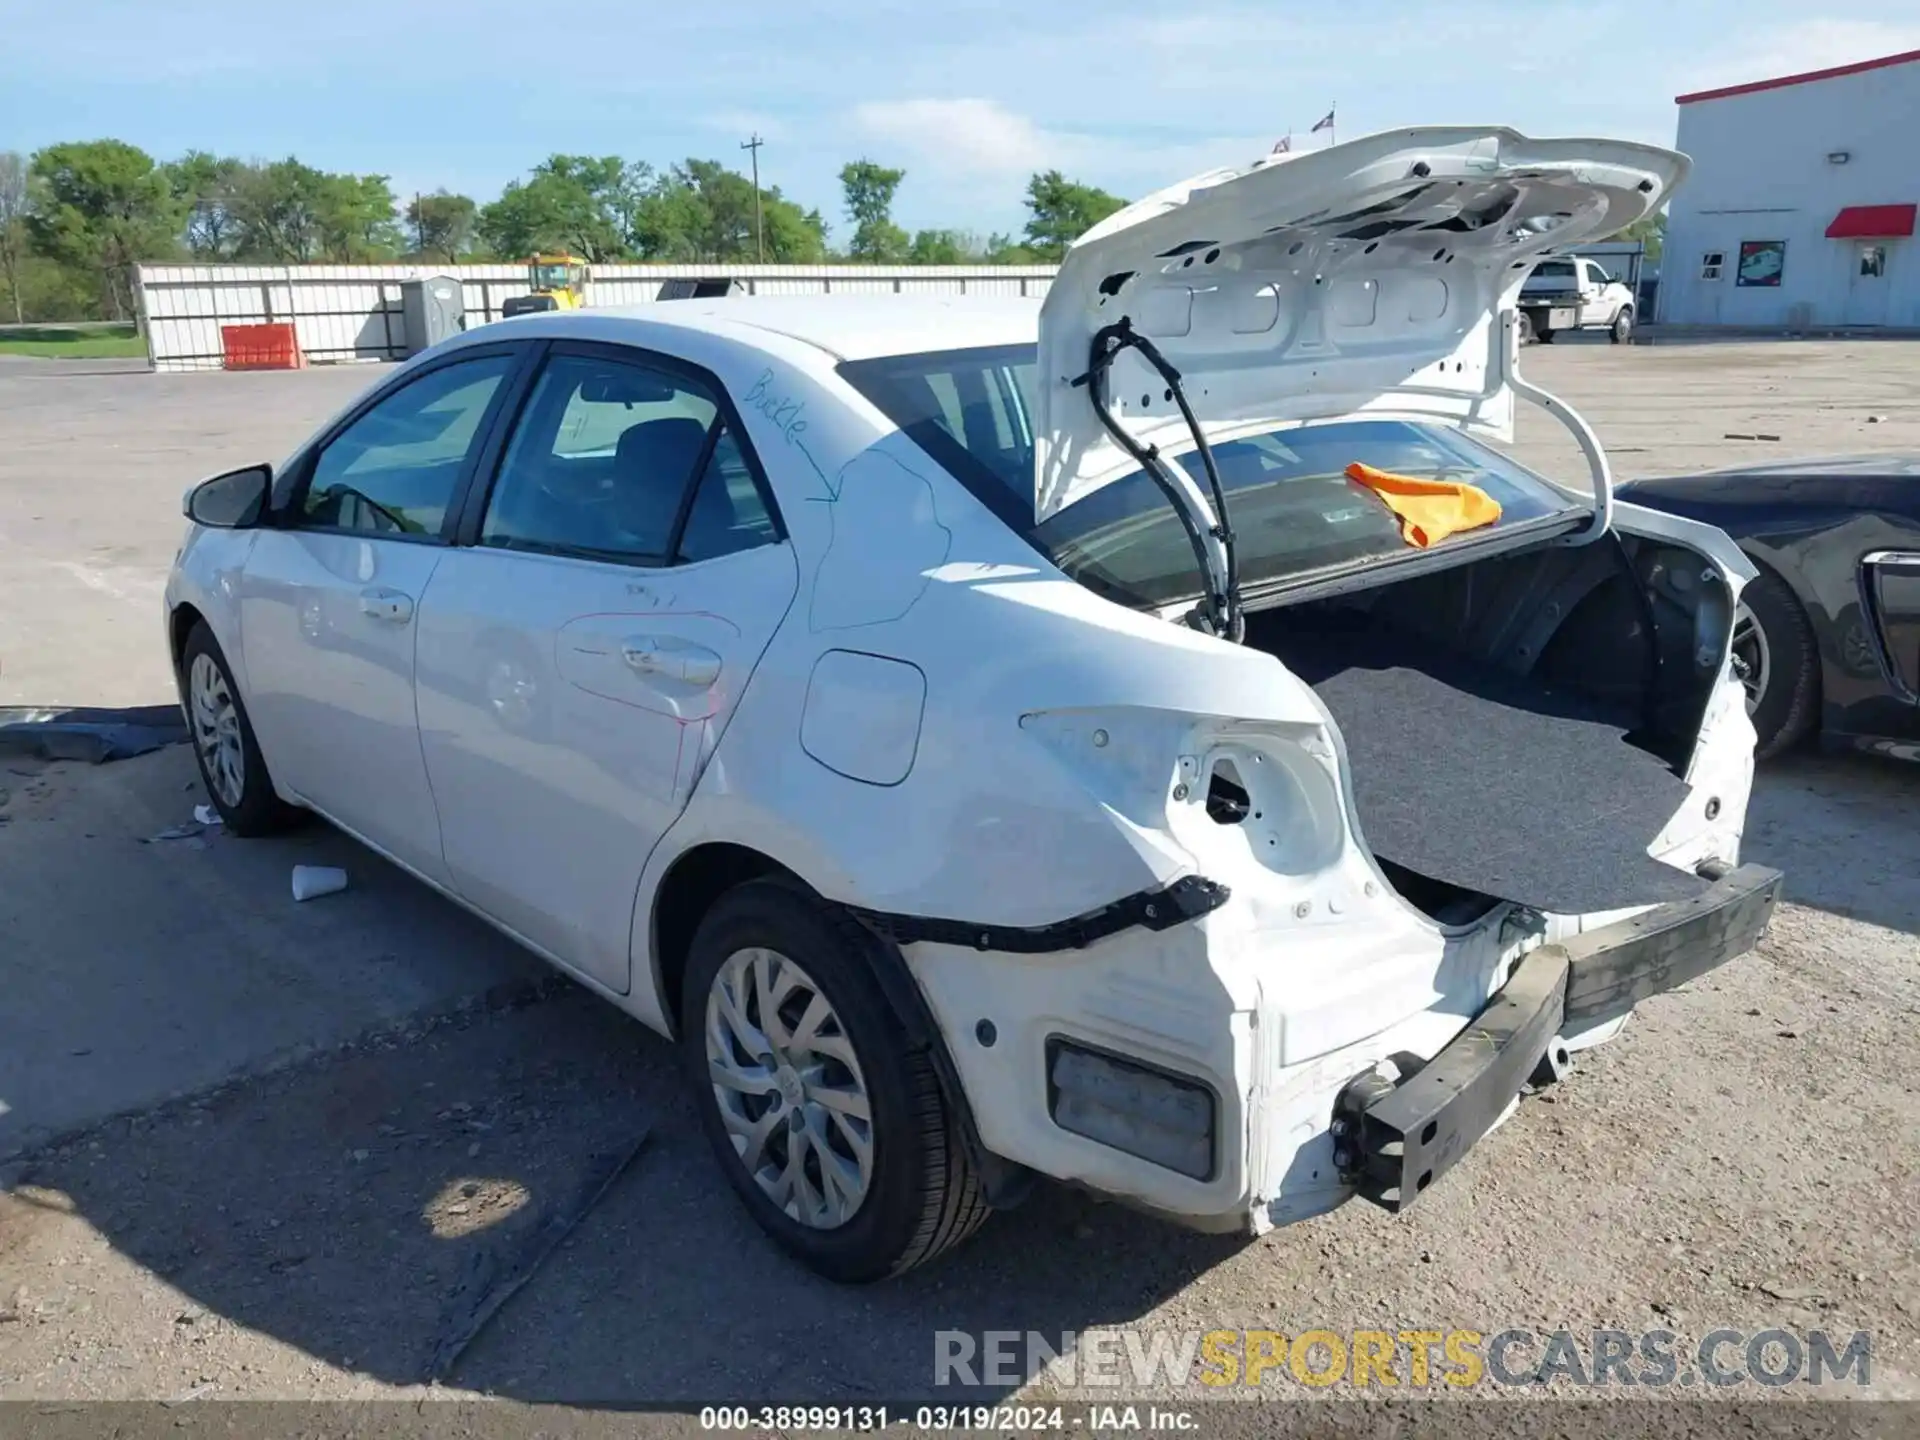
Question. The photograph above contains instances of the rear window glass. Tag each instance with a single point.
(1292, 507)
(1552, 270)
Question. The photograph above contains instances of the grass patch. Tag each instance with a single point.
(72, 342)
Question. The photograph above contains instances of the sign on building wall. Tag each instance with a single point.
(1762, 262)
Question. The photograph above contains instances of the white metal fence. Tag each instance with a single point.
(353, 312)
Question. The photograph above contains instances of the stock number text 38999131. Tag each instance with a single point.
(991, 1418)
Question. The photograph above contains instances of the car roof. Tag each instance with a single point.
(848, 327)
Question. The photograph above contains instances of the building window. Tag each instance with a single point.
(1762, 262)
(1873, 261)
(1710, 264)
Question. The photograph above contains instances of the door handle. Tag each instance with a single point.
(671, 658)
(384, 604)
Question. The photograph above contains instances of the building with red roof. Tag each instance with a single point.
(1801, 207)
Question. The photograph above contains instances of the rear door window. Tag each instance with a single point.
(619, 460)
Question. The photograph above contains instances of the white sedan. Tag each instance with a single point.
(1148, 740)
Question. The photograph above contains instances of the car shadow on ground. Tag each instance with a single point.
(356, 1210)
(362, 1205)
(1843, 828)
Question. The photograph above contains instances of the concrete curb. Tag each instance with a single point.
(17, 1160)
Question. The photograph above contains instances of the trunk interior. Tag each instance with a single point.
(1517, 727)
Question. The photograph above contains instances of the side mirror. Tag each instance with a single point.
(233, 501)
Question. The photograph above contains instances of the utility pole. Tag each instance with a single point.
(759, 235)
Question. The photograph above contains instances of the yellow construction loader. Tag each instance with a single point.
(558, 282)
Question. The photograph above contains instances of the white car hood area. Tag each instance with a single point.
(1366, 278)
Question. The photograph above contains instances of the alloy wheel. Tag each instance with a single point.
(216, 730)
(1752, 656)
(789, 1088)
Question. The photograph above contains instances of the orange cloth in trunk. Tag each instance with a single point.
(1429, 510)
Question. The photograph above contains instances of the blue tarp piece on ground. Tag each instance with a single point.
(88, 733)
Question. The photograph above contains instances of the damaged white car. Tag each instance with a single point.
(1148, 740)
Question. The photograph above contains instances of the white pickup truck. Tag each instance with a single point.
(1574, 293)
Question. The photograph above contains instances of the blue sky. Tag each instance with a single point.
(969, 96)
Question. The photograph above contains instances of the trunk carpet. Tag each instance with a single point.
(1489, 781)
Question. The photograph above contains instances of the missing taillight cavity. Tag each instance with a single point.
(1278, 797)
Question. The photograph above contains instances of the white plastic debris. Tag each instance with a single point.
(312, 881)
(206, 815)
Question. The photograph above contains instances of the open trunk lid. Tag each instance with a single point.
(1364, 278)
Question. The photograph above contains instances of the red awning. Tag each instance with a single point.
(1872, 222)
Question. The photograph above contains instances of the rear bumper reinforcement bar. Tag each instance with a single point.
(1397, 1138)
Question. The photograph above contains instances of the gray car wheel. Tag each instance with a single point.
(1777, 662)
(231, 765)
(826, 1114)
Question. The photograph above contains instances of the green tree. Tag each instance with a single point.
(278, 211)
(1062, 211)
(575, 203)
(204, 185)
(14, 199)
(104, 206)
(1005, 250)
(941, 247)
(1649, 230)
(700, 210)
(290, 213)
(617, 187)
(869, 190)
(49, 291)
(357, 222)
(442, 224)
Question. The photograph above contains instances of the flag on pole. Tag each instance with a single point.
(1325, 122)
(1283, 145)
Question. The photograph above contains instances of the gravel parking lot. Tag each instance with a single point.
(260, 1150)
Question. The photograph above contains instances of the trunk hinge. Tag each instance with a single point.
(1582, 432)
(1203, 514)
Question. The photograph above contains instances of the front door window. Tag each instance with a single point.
(393, 472)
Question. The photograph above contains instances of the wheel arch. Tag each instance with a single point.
(696, 879)
(180, 623)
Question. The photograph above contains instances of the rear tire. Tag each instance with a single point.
(1543, 335)
(774, 967)
(1773, 641)
(231, 766)
(1621, 330)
